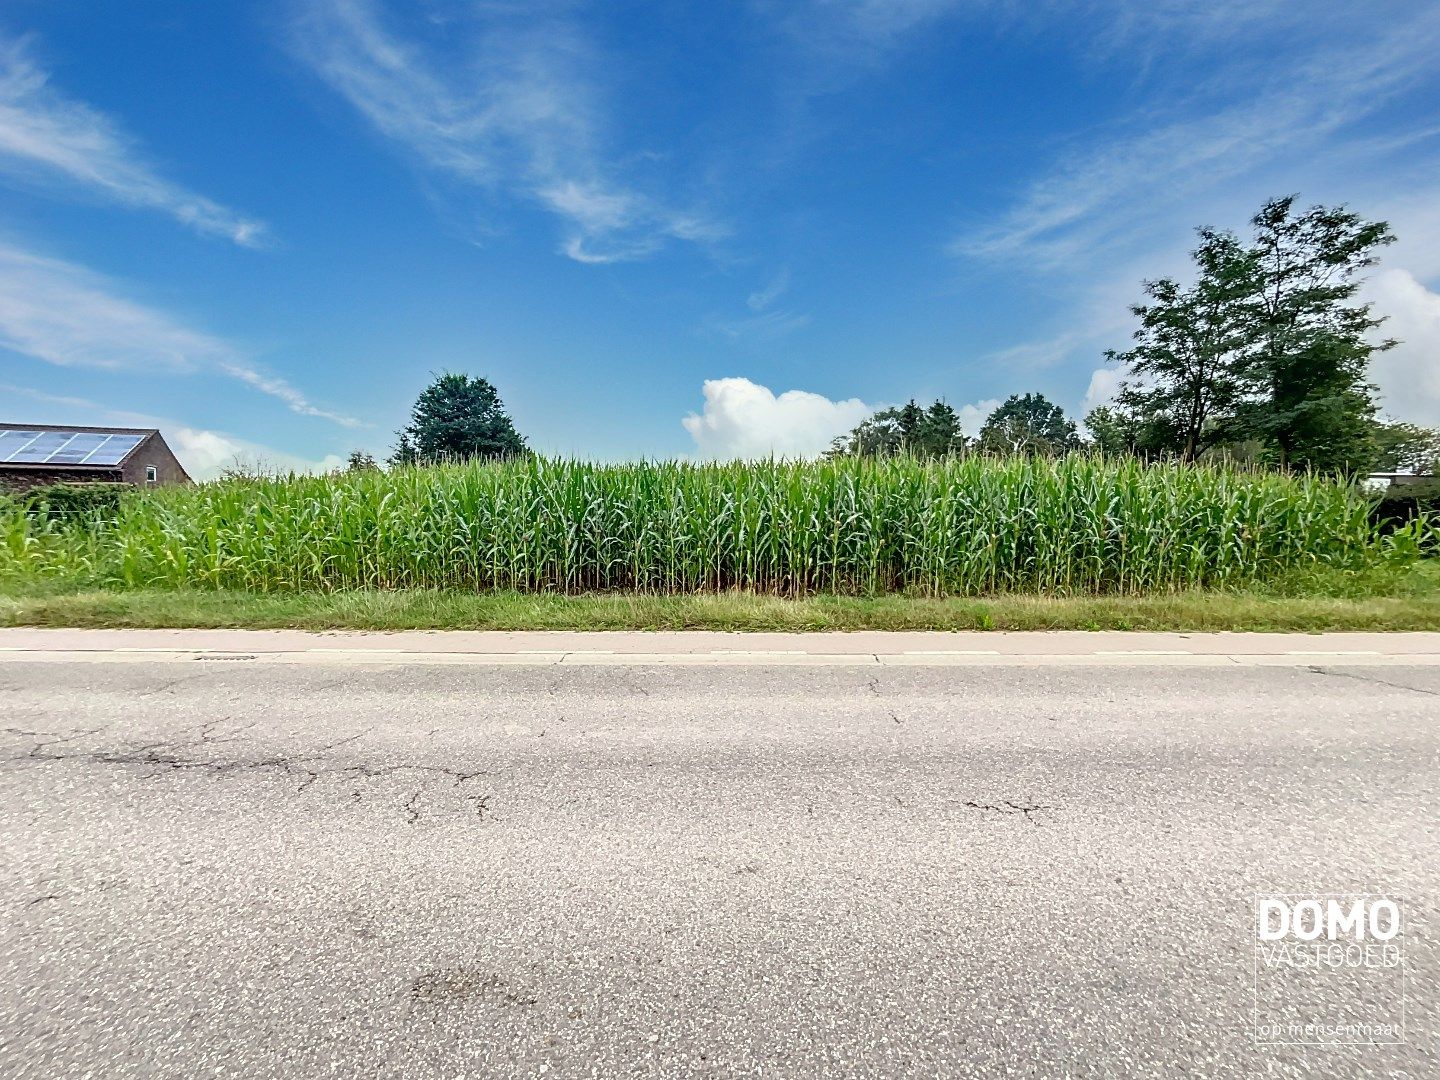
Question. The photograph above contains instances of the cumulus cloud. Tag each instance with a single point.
(45, 133)
(1409, 374)
(66, 315)
(205, 454)
(742, 419)
(973, 417)
(1104, 385)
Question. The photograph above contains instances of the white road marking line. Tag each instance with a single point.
(763, 652)
(951, 652)
(1143, 652)
(1334, 652)
(360, 652)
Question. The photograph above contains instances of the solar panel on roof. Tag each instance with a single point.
(45, 444)
(79, 448)
(65, 447)
(115, 449)
(13, 441)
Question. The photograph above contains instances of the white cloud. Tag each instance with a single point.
(1334, 126)
(1115, 189)
(839, 39)
(66, 315)
(843, 36)
(742, 419)
(203, 453)
(973, 417)
(767, 325)
(44, 134)
(771, 291)
(1409, 374)
(521, 114)
(63, 400)
(765, 321)
(1104, 385)
(1415, 216)
(1041, 353)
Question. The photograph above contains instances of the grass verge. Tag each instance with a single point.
(1416, 607)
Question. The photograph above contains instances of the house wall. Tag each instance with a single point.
(153, 451)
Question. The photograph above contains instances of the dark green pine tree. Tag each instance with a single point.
(940, 434)
(458, 417)
(910, 421)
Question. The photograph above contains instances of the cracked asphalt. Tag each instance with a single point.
(241, 868)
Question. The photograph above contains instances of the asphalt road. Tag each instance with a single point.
(363, 867)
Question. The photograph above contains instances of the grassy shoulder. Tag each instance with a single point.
(1410, 602)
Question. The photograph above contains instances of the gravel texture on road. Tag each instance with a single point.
(222, 867)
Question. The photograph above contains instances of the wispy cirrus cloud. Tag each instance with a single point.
(765, 321)
(1215, 138)
(856, 34)
(763, 297)
(763, 326)
(46, 135)
(66, 315)
(1114, 189)
(514, 111)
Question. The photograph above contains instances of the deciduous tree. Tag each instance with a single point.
(1185, 366)
(1028, 424)
(1404, 447)
(1308, 372)
(922, 432)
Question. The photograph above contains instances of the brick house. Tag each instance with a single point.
(33, 454)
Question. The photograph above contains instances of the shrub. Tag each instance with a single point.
(75, 502)
(1401, 504)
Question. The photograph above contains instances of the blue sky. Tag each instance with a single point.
(661, 229)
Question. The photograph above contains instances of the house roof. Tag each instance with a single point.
(76, 447)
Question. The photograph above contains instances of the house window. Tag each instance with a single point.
(150, 474)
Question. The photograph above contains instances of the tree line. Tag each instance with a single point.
(1022, 424)
(1262, 357)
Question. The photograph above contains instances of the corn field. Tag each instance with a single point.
(975, 525)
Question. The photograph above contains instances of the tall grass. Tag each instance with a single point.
(975, 525)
